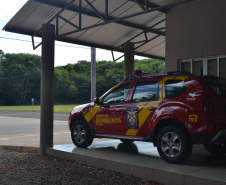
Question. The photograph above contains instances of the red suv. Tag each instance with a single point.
(174, 111)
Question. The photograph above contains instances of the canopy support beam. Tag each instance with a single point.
(47, 87)
(129, 59)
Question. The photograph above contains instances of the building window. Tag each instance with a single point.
(186, 67)
(212, 67)
(197, 67)
(222, 64)
(215, 66)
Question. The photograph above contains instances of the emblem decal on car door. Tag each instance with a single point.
(132, 120)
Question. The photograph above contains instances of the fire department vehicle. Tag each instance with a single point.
(174, 111)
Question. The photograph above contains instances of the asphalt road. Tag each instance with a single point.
(23, 128)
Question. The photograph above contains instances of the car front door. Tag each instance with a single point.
(110, 118)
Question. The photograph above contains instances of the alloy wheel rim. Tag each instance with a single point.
(171, 144)
(79, 134)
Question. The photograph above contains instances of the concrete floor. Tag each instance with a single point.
(141, 159)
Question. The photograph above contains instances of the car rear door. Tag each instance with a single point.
(143, 104)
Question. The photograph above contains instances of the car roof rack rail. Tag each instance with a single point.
(179, 73)
(138, 74)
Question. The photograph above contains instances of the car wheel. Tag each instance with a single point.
(126, 141)
(80, 134)
(174, 145)
(216, 149)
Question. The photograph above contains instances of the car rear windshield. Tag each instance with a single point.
(216, 85)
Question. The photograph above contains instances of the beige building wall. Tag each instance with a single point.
(195, 29)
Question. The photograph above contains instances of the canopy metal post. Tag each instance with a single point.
(47, 87)
(128, 59)
(93, 73)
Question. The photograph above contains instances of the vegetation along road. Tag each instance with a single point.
(20, 78)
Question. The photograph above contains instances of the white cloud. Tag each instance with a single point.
(9, 8)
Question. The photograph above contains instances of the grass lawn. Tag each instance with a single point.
(57, 108)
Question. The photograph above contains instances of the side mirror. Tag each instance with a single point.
(97, 101)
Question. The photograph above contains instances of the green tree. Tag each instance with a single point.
(1, 54)
(82, 67)
(1, 67)
(65, 90)
(20, 77)
(108, 74)
(150, 66)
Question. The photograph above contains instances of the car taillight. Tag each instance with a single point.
(208, 104)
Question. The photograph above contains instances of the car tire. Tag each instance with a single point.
(80, 134)
(174, 145)
(216, 149)
(126, 140)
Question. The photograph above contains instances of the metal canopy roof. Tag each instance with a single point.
(105, 24)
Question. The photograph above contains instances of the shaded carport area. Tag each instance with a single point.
(128, 26)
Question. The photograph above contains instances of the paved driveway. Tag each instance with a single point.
(23, 128)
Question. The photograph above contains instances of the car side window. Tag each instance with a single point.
(174, 88)
(146, 91)
(117, 96)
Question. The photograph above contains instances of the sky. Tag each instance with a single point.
(64, 53)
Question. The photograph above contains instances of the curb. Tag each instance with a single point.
(139, 167)
(22, 148)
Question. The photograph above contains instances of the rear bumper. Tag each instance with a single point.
(208, 138)
(202, 138)
(220, 137)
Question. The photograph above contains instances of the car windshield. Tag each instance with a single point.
(216, 85)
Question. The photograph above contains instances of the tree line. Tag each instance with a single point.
(20, 78)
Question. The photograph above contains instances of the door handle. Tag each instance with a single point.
(152, 108)
(120, 111)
